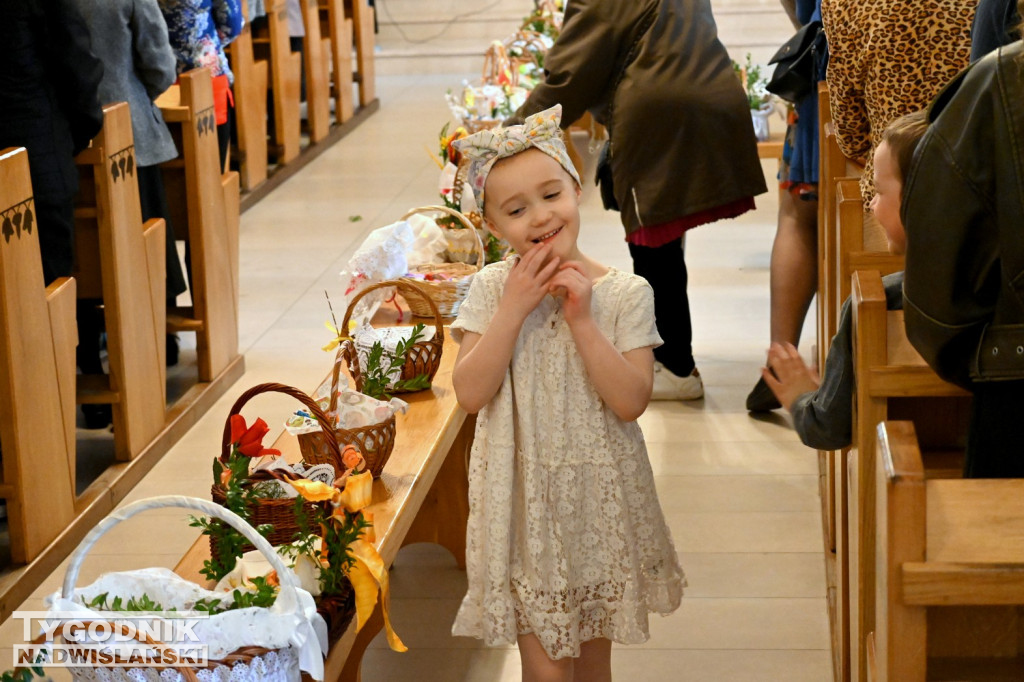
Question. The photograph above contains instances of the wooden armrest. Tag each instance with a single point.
(867, 288)
(848, 189)
(961, 584)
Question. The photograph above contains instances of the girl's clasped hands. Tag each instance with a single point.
(536, 274)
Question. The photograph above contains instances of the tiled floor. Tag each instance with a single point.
(740, 494)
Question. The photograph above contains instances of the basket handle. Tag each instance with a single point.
(329, 433)
(495, 61)
(287, 598)
(461, 217)
(403, 286)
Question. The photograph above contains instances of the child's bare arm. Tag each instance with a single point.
(484, 358)
(623, 380)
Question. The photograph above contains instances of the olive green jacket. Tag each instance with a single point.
(656, 75)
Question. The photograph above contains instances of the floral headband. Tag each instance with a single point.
(484, 148)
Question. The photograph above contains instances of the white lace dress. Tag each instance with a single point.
(566, 538)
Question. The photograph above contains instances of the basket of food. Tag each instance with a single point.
(494, 98)
(375, 438)
(419, 358)
(267, 629)
(256, 494)
(446, 284)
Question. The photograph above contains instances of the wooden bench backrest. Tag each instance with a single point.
(861, 241)
(363, 25)
(37, 373)
(943, 543)
(250, 93)
(885, 367)
(210, 200)
(132, 270)
(835, 169)
(285, 78)
(315, 51)
(339, 28)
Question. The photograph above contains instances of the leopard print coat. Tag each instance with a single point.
(888, 58)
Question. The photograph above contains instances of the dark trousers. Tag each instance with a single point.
(153, 200)
(55, 218)
(664, 268)
(995, 441)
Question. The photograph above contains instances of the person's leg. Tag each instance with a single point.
(153, 200)
(225, 134)
(55, 220)
(594, 663)
(665, 270)
(538, 667)
(794, 267)
(794, 281)
(996, 432)
(675, 374)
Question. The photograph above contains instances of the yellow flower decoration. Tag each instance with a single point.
(338, 336)
(314, 491)
(358, 492)
(367, 575)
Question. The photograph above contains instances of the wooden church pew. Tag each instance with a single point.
(861, 243)
(205, 200)
(285, 76)
(339, 29)
(121, 261)
(893, 382)
(250, 92)
(37, 374)
(362, 24)
(950, 570)
(833, 166)
(315, 52)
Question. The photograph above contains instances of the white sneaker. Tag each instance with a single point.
(669, 386)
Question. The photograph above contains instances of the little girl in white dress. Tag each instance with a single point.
(567, 547)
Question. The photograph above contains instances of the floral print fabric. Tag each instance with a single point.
(199, 30)
(566, 538)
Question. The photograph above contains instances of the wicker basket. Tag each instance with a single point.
(424, 357)
(375, 442)
(279, 513)
(245, 655)
(524, 46)
(449, 293)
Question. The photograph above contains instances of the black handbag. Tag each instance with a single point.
(796, 63)
(603, 178)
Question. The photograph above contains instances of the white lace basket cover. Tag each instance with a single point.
(292, 629)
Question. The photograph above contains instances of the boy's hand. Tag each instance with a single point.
(527, 282)
(787, 374)
(574, 289)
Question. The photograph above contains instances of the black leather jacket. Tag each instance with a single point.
(963, 209)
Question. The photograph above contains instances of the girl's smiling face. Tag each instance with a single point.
(529, 200)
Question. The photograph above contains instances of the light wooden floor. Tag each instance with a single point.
(740, 494)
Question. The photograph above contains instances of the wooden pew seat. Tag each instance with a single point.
(944, 544)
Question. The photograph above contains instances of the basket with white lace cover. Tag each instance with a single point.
(447, 284)
(279, 642)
